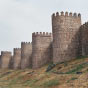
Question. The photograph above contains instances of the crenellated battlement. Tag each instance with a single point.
(26, 43)
(17, 48)
(17, 51)
(68, 40)
(66, 14)
(85, 25)
(41, 34)
(5, 53)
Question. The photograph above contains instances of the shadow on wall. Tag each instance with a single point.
(84, 29)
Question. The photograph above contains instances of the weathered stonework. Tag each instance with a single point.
(17, 58)
(65, 28)
(26, 55)
(42, 49)
(5, 59)
(68, 40)
(84, 33)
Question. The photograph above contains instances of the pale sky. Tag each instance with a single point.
(19, 18)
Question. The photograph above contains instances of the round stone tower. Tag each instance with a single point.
(65, 28)
(5, 59)
(26, 54)
(17, 58)
(84, 29)
(42, 49)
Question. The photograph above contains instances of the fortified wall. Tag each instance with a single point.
(5, 59)
(16, 58)
(26, 55)
(68, 40)
(41, 49)
(84, 38)
(65, 28)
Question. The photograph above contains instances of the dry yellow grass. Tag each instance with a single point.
(56, 78)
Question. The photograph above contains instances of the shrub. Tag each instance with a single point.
(50, 67)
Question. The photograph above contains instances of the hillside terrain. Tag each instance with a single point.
(72, 74)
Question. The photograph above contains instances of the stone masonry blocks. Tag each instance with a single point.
(5, 59)
(42, 49)
(17, 58)
(68, 40)
(26, 55)
(65, 28)
(84, 38)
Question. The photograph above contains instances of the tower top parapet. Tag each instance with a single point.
(85, 25)
(6, 53)
(17, 48)
(26, 42)
(42, 34)
(17, 51)
(66, 14)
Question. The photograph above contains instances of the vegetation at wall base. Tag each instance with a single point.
(68, 74)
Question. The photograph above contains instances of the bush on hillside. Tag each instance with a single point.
(50, 67)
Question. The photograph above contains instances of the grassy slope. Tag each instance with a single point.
(63, 75)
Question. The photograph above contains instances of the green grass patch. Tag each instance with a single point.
(77, 68)
(30, 82)
(82, 57)
(72, 79)
(5, 74)
(51, 83)
(15, 81)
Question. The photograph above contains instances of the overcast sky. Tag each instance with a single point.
(19, 18)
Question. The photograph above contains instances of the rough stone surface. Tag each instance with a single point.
(26, 55)
(65, 30)
(84, 38)
(69, 39)
(42, 49)
(17, 58)
(5, 59)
